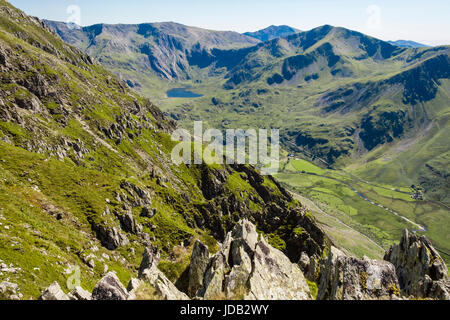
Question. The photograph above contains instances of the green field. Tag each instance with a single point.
(366, 208)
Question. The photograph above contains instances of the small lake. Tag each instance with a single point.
(182, 93)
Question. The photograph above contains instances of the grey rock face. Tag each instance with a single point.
(150, 273)
(80, 294)
(249, 268)
(348, 278)
(54, 292)
(420, 269)
(274, 277)
(151, 257)
(198, 265)
(110, 237)
(129, 224)
(109, 288)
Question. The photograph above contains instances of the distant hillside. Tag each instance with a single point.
(272, 32)
(336, 94)
(164, 49)
(407, 44)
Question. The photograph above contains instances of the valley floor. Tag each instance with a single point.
(364, 218)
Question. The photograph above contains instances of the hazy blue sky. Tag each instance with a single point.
(423, 21)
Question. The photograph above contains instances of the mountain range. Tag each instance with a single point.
(330, 90)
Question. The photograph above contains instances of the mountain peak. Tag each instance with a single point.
(272, 32)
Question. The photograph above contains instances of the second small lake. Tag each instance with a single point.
(182, 93)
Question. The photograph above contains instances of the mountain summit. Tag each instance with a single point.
(272, 32)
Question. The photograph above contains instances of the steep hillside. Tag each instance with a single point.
(272, 32)
(146, 53)
(87, 182)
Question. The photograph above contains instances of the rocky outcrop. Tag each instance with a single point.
(246, 267)
(54, 292)
(348, 278)
(110, 288)
(149, 273)
(110, 237)
(420, 269)
(80, 294)
(197, 267)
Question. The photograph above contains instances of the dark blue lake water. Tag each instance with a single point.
(182, 93)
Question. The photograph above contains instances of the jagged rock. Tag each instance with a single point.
(348, 278)
(110, 237)
(212, 182)
(80, 294)
(150, 273)
(133, 287)
(133, 284)
(151, 257)
(214, 276)
(248, 268)
(275, 278)
(54, 292)
(304, 262)
(140, 197)
(420, 269)
(197, 267)
(129, 224)
(109, 288)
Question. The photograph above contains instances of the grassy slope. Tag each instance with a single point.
(51, 196)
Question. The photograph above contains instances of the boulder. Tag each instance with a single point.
(80, 294)
(275, 277)
(197, 267)
(420, 269)
(349, 278)
(133, 287)
(110, 288)
(150, 273)
(247, 267)
(54, 292)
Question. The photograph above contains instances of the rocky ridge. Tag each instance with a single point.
(247, 267)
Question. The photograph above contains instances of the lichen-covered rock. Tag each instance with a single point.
(54, 292)
(249, 268)
(349, 278)
(197, 267)
(420, 269)
(110, 288)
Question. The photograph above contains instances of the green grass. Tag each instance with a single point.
(332, 195)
